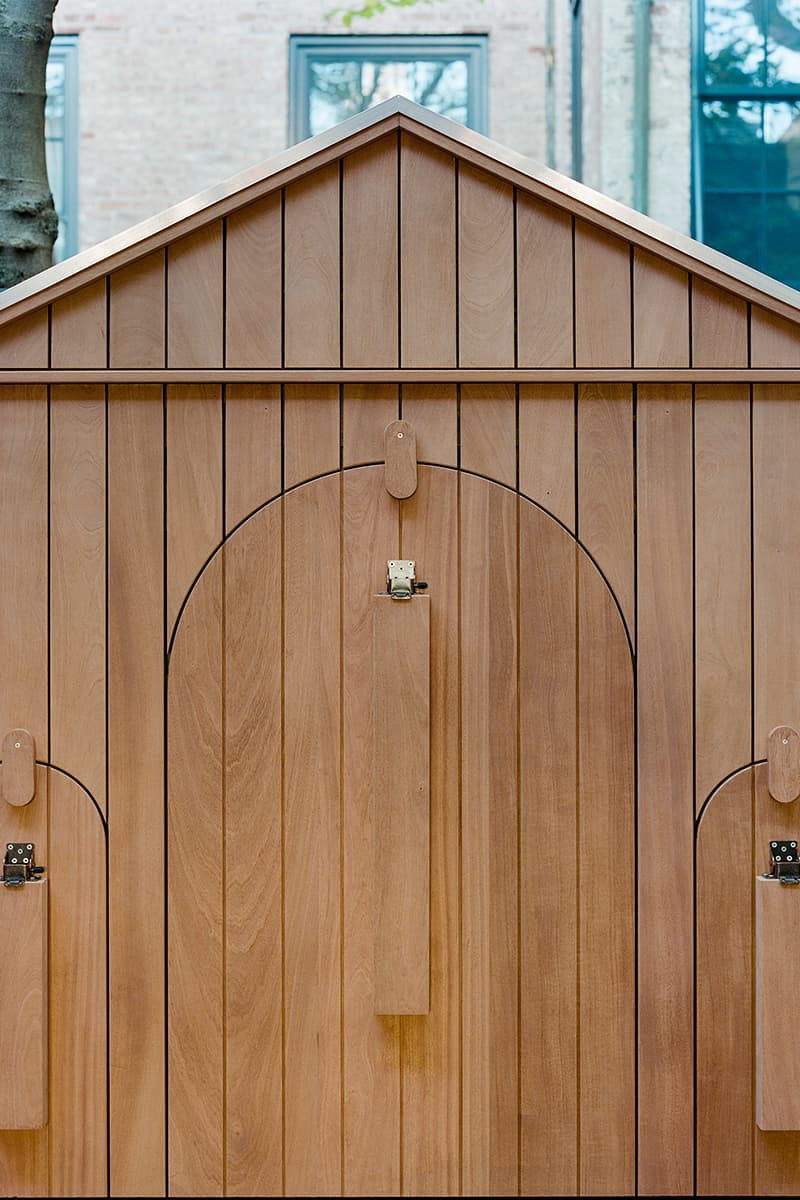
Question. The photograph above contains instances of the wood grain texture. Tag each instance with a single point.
(366, 411)
(312, 912)
(433, 411)
(194, 486)
(602, 299)
(605, 485)
(486, 270)
(777, 1071)
(78, 333)
(23, 1004)
(253, 285)
(428, 297)
(489, 839)
(252, 448)
(195, 289)
(431, 1045)
(544, 284)
(136, 788)
(24, 342)
(664, 490)
(311, 431)
(489, 431)
(774, 341)
(722, 582)
(78, 584)
(370, 336)
(136, 314)
(401, 804)
(196, 903)
(18, 773)
(719, 327)
(724, 991)
(312, 319)
(547, 448)
(660, 312)
(253, 943)
(400, 470)
(783, 764)
(370, 530)
(548, 864)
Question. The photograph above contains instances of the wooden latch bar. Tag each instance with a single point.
(23, 1005)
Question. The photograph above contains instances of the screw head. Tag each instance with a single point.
(786, 741)
(400, 434)
(17, 745)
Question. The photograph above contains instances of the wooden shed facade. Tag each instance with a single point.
(194, 527)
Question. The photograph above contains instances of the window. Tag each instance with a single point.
(331, 78)
(747, 132)
(61, 140)
(576, 67)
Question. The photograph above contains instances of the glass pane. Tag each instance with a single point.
(733, 42)
(54, 145)
(783, 238)
(731, 143)
(340, 89)
(783, 41)
(782, 145)
(731, 224)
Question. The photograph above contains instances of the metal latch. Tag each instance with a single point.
(19, 864)
(784, 864)
(401, 579)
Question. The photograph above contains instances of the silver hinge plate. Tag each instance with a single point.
(400, 578)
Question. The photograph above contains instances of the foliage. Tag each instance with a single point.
(373, 8)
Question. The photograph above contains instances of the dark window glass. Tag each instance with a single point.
(731, 143)
(782, 250)
(733, 224)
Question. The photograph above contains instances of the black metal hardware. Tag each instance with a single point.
(784, 862)
(19, 864)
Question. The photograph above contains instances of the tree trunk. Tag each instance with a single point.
(28, 221)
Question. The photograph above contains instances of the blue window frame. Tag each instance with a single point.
(334, 77)
(61, 140)
(746, 153)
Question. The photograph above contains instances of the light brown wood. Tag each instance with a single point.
(23, 1005)
(136, 631)
(253, 285)
(777, 1069)
(25, 342)
(660, 312)
(366, 411)
(401, 790)
(18, 771)
(400, 449)
(311, 432)
(428, 298)
(433, 411)
(774, 341)
(783, 764)
(547, 448)
(312, 318)
(489, 431)
(602, 299)
(78, 334)
(195, 299)
(719, 327)
(665, 825)
(252, 449)
(370, 336)
(137, 298)
(486, 270)
(544, 284)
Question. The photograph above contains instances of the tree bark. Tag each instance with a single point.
(28, 221)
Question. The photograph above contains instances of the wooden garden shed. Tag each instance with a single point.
(353, 894)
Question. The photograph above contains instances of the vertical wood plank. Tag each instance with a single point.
(136, 787)
(719, 327)
(136, 316)
(310, 431)
(78, 584)
(370, 530)
(602, 299)
(431, 1044)
(24, 341)
(489, 431)
(660, 312)
(24, 1004)
(312, 319)
(774, 341)
(195, 328)
(776, 1071)
(544, 284)
(367, 408)
(548, 832)
(196, 905)
(369, 255)
(433, 411)
(78, 332)
(194, 485)
(547, 448)
(605, 484)
(489, 838)
(722, 582)
(253, 284)
(428, 300)
(312, 930)
(253, 1008)
(486, 269)
(252, 448)
(666, 831)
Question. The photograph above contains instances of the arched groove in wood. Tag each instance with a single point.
(719, 787)
(437, 466)
(40, 762)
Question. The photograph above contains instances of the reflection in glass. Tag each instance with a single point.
(733, 42)
(54, 131)
(782, 145)
(783, 41)
(340, 89)
(783, 238)
(731, 141)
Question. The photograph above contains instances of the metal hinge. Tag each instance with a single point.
(401, 579)
(19, 864)
(784, 863)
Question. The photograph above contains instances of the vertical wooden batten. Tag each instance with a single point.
(777, 1070)
(253, 284)
(311, 255)
(23, 1005)
(195, 303)
(370, 283)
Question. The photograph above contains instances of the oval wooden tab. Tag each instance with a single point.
(400, 448)
(17, 775)
(783, 764)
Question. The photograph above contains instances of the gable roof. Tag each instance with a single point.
(402, 114)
